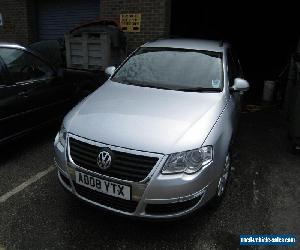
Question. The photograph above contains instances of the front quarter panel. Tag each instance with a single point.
(220, 138)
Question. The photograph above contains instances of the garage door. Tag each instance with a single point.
(56, 17)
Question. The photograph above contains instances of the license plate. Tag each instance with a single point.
(103, 186)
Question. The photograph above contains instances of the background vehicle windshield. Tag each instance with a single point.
(172, 69)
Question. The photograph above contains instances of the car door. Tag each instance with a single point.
(12, 106)
(45, 95)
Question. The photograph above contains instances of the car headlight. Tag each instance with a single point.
(188, 161)
(62, 137)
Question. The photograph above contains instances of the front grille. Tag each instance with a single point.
(106, 200)
(171, 208)
(124, 166)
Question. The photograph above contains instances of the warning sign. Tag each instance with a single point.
(131, 22)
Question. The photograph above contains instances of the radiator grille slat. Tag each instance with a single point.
(82, 151)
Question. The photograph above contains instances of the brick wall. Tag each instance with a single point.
(32, 17)
(155, 18)
(20, 24)
(15, 22)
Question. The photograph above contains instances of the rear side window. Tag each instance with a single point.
(3, 75)
(23, 66)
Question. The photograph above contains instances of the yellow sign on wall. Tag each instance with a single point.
(131, 22)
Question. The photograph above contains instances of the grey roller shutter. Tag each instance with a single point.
(55, 17)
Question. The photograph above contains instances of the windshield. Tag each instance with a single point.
(169, 68)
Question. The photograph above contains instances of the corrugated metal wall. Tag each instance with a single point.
(56, 17)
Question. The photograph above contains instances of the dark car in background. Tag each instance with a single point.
(34, 90)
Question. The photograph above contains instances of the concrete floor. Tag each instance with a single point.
(263, 197)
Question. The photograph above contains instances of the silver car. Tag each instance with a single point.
(154, 141)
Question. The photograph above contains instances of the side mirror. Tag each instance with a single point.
(240, 85)
(110, 70)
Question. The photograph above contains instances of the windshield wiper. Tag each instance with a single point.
(200, 89)
(140, 84)
(149, 85)
(154, 87)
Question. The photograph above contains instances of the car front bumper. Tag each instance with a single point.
(158, 196)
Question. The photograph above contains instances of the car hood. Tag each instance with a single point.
(147, 119)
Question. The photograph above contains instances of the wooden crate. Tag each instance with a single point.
(89, 51)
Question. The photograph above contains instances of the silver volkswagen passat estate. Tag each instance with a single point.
(154, 140)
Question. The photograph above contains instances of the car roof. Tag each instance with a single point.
(17, 46)
(195, 44)
(11, 45)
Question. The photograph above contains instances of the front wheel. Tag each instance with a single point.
(222, 183)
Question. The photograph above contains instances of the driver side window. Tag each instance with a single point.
(234, 67)
(23, 66)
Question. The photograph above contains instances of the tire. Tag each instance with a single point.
(222, 183)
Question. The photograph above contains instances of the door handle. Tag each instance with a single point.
(23, 94)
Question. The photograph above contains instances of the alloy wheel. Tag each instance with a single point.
(224, 177)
